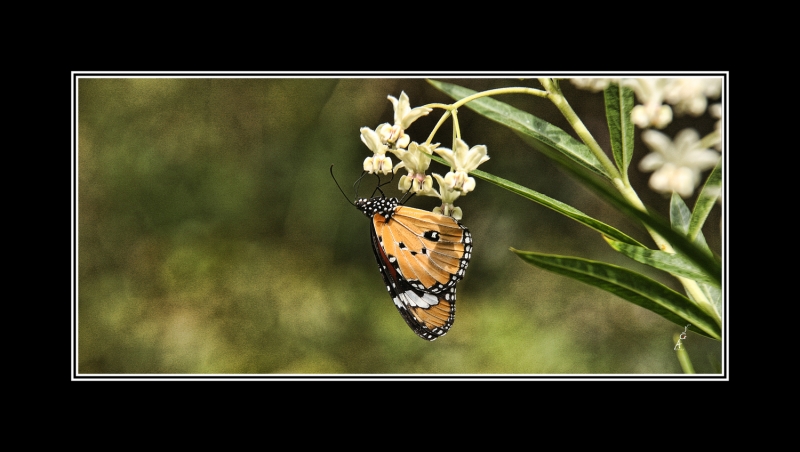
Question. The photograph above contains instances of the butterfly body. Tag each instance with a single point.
(421, 256)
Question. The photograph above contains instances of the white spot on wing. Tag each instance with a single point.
(410, 298)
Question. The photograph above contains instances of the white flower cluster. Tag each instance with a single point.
(593, 84)
(677, 164)
(416, 158)
(686, 95)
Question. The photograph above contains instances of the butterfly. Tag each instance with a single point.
(421, 255)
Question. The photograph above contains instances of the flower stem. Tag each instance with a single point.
(557, 98)
(452, 109)
(439, 124)
(495, 92)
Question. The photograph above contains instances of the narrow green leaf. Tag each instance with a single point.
(713, 293)
(546, 137)
(553, 204)
(631, 286)
(679, 214)
(677, 264)
(705, 200)
(680, 218)
(619, 103)
(672, 263)
(709, 264)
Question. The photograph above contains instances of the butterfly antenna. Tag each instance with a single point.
(378, 187)
(340, 188)
(410, 195)
(357, 183)
(387, 182)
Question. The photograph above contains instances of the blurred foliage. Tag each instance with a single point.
(213, 240)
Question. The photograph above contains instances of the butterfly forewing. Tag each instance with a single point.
(437, 247)
(413, 258)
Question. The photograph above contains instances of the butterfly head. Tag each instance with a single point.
(370, 206)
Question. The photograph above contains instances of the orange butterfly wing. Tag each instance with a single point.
(432, 250)
(421, 256)
(429, 315)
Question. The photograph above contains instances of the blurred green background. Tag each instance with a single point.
(212, 238)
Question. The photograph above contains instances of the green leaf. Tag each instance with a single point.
(546, 137)
(679, 214)
(713, 293)
(631, 286)
(553, 204)
(705, 201)
(677, 264)
(707, 263)
(668, 262)
(680, 217)
(619, 103)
